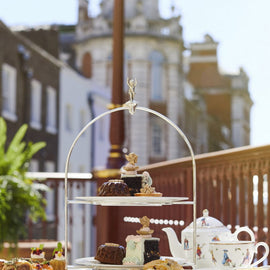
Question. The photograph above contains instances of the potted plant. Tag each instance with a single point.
(20, 197)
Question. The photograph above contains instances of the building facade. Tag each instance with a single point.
(153, 54)
(226, 97)
(29, 91)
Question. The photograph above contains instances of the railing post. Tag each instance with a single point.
(242, 191)
(251, 209)
(225, 197)
(233, 186)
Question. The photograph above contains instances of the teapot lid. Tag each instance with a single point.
(207, 222)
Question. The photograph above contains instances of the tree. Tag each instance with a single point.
(20, 197)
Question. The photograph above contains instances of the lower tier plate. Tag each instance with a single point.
(129, 200)
(91, 262)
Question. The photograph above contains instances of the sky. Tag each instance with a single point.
(241, 27)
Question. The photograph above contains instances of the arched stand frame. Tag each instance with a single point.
(132, 111)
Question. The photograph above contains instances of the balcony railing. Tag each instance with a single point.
(231, 184)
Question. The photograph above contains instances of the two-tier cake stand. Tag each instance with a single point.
(132, 107)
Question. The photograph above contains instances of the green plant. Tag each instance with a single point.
(19, 196)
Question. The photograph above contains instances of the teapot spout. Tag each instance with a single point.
(176, 248)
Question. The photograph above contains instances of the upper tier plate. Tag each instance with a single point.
(129, 200)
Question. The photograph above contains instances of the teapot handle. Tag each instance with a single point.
(244, 229)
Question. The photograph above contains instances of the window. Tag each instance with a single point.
(9, 74)
(35, 109)
(51, 110)
(87, 65)
(34, 166)
(82, 169)
(82, 119)
(49, 166)
(156, 59)
(68, 117)
(157, 139)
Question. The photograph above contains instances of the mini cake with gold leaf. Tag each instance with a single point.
(142, 248)
(129, 174)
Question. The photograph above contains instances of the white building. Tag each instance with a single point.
(81, 99)
(153, 54)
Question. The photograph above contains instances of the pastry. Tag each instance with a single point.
(59, 261)
(37, 254)
(17, 264)
(113, 188)
(2, 264)
(148, 191)
(42, 266)
(166, 264)
(142, 248)
(110, 253)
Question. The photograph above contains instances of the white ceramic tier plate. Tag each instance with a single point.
(130, 200)
(91, 262)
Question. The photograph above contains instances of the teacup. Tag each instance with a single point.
(235, 253)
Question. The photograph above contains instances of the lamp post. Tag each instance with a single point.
(107, 216)
(117, 136)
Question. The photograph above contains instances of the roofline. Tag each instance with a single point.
(34, 47)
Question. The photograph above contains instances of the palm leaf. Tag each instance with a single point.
(3, 136)
(16, 141)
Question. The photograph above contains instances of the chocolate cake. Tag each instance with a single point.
(113, 188)
(110, 253)
(134, 183)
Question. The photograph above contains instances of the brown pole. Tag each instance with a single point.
(116, 157)
(107, 217)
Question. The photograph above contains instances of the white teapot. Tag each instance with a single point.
(208, 229)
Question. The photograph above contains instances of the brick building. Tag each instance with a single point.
(226, 97)
(29, 91)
